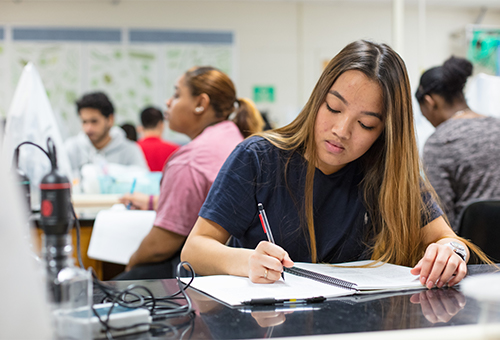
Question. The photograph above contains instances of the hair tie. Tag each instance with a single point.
(150, 203)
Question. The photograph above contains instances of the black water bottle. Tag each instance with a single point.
(55, 210)
(55, 207)
(56, 221)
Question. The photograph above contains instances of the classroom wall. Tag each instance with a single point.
(278, 43)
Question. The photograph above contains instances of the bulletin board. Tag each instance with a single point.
(133, 74)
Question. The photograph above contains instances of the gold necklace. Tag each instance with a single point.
(460, 113)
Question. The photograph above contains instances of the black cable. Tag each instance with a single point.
(116, 300)
(15, 161)
(160, 308)
(17, 149)
(161, 329)
(78, 248)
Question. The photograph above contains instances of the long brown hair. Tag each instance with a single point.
(392, 181)
(217, 85)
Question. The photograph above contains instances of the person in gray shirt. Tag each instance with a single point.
(99, 137)
(462, 156)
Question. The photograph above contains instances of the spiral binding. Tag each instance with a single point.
(321, 278)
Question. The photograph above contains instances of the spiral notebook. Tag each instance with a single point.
(309, 282)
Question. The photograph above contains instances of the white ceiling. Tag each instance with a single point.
(494, 4)
(454, 3)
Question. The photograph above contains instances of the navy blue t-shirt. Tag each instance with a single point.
(255, 173)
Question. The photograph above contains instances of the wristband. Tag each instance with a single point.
(150, 204)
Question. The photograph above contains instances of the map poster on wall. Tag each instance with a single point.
(128, 75)
(179, 58)
(133, 73)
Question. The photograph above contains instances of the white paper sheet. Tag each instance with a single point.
(117, 233)
(234, 290)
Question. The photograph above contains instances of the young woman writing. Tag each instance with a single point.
(342, 182)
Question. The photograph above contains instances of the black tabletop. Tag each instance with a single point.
(374, 312)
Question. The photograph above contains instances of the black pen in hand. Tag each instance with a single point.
(267, 229)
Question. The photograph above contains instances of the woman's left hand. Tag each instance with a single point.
(439, 266)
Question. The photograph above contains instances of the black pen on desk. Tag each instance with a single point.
(267, 229)
(247, 308)
(129, 205)
(272, 301)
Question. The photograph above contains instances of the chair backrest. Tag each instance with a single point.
(480, 223)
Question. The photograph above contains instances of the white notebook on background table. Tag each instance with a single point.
(118, 232)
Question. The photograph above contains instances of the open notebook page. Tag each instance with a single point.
(234, 290)
(381, 277)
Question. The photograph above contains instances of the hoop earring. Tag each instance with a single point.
(199, 109)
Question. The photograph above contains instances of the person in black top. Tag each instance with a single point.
(341, 182)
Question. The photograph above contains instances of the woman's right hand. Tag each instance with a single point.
(137, 200)
(266, 263)
(271, 318)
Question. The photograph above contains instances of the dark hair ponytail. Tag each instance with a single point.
(248, 118)
(455, 74)
(447, 81)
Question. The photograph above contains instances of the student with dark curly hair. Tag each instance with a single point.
(462, 156)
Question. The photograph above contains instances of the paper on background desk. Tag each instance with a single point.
(97, 200)
(118, 232)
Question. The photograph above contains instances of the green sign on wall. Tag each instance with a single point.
(263, 94)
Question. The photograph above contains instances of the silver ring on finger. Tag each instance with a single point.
(265, 274)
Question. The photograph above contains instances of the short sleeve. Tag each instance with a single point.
(231, 202)
(431, 209)
(182, 194)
